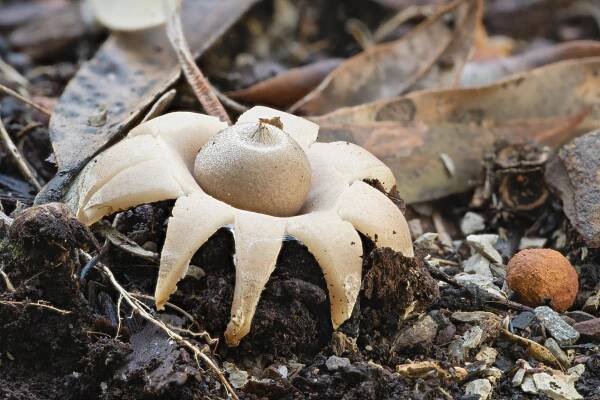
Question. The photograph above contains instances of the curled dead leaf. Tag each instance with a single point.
(431, 55)
(486, 72)
(409, 133)
(285, 89)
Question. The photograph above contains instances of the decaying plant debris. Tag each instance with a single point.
(472, 130)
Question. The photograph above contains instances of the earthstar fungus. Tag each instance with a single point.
(315, 192)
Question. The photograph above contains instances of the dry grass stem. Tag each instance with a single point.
(200, 85)
(12, 93)
(142, 309)
(39, 304)
(22, 164)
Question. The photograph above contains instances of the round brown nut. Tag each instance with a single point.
(539, 276)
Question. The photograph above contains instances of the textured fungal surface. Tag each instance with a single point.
(315, 192)
(539, 276)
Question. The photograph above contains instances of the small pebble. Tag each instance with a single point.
(481, 387)
(532, 243)
(555, 349)
(334, 363)
(561, 331)
(472, 223)
(484, 245)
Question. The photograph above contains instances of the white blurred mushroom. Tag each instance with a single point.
(132, 15)
(161, 158)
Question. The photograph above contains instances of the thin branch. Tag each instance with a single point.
(39, 304)
(12, 93)
(200, 85)
(138, 306)
(204, 335)
(120, 323)
(22, 164)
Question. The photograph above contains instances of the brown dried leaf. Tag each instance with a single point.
(126, 75)
(485, 72)
(285, 89)
(550, 105)
(431, 55)
(51, 32)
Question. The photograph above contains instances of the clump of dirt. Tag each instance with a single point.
(48, 232)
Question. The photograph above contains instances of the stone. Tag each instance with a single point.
(195, 272)
(579, 316)
(589, 329)
(557, 386)
(574, 175)
(554, 384)
(517, 379)
(528, 385)
(473, 316)
(484, 245)
(459, 348)
(532, 243)
(561, 331)
(416, 227)
(423, 330)
(484, 283)
(477, 264)
(237, 377)
(492, 374)
(471, 223)
(523, 320)
(487, 355)
(480, 387)
(592, 304)
(334, 363)
(555, 349)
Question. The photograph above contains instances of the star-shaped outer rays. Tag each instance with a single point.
(154, 163)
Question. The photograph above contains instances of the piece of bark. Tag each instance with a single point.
(575, 174)
(409, 133)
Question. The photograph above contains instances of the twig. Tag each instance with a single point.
(12, 93)
(204, 335)
(39, 304)
(160, 105)
(21, 162)
(438, 223)
(12, 74)
(400, 18)
(120, 323)
(9, 286)
(138, 306)
(194, 76)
